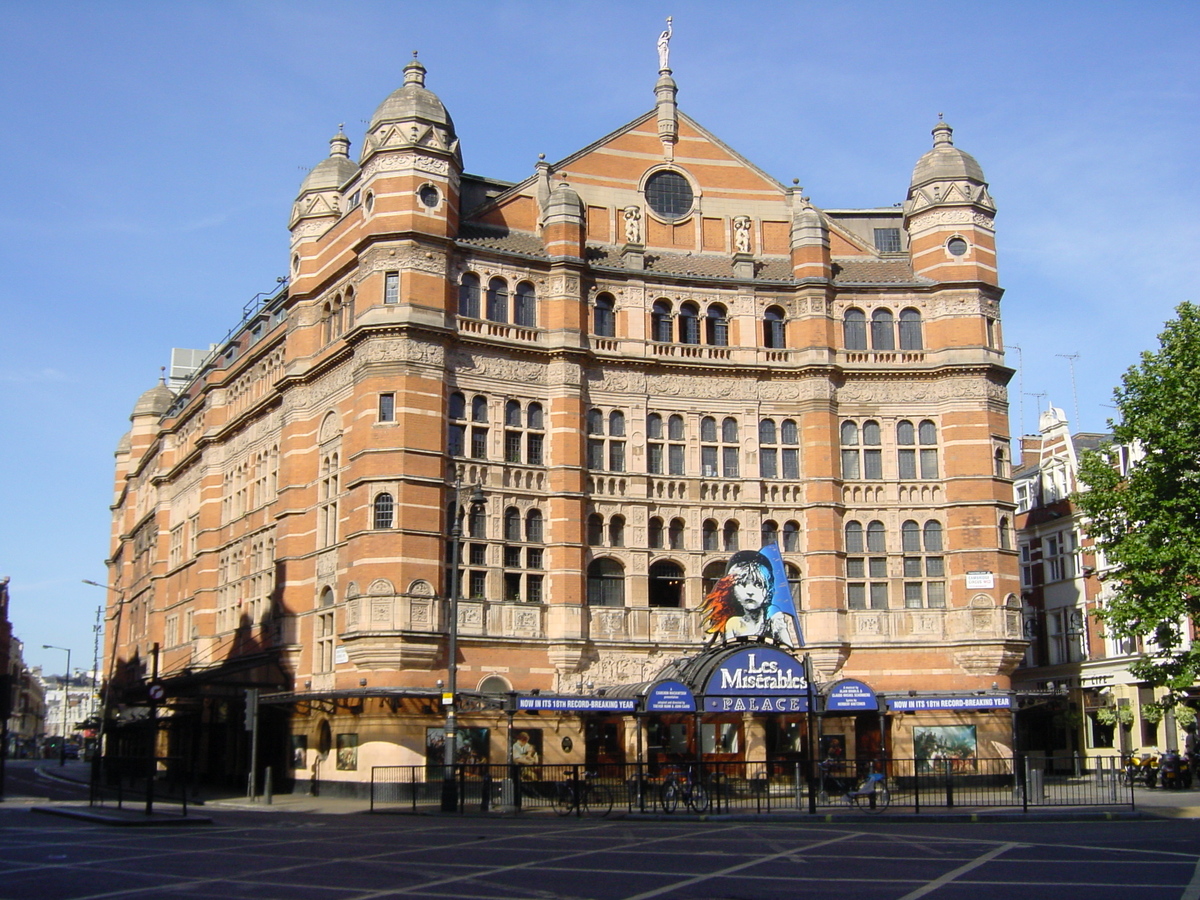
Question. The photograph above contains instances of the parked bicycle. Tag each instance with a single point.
(585, 795)
(686, 788)
(872, 795)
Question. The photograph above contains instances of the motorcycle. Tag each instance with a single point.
(1175, 770)
(1142, 767)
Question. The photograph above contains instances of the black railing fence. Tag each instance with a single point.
(141, 781)
(749, 787)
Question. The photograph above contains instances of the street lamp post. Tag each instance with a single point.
(62, 751)
(450, 739)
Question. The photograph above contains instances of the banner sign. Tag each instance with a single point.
(966, 701)
(753, 600)
(576, 704)
(797, 703)
(850, 696)
(670, 696)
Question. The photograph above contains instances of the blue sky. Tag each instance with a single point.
(152, 151)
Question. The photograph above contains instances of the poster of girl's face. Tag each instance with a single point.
(935, 746)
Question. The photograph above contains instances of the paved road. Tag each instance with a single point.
(287, 856)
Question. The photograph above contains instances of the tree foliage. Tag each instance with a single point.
(1146, 520)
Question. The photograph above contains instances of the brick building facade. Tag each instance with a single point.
(647, 355)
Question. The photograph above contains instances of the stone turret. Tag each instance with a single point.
(809, 239)
(319, 202)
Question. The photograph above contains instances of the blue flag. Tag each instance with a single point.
(782, 599)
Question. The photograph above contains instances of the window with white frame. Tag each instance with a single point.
(866, 566)
(923, 563)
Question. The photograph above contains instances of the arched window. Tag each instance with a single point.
(525, 306)
(933, 537)
(477, 522)
(512, 414)
(791, 537)
(910, 537)
(384, 511)
(479, 411)
(616, 531)
(535, 417)
(497, 300)
(468, 296)
(766, 431)
(533, 526)
(595, 530)
(876, 538)
(666, 585)
(616, 423)
(708, 429)
(1001, 463)
(457, 407)
(729, 430)
(854, 329)
(656, 533)
(712, 573)
(770, 532)
(709, 531)
(660, 322)
(910, 329)
(716, 326)
(604, 322)
(675, 429)
(773, 331)
(883, 330)
(512, 524)
(689, 324)
(854, 537)
(1005, 538)
(495, 686)
(793, 577)
(906, 454)
(729, 536)
(675, 534)
(927, 437)
(595, 422)
(654, 427)
(606, 583)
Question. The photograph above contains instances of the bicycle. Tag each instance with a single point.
(687, 789)
(872, 795)
(583, 794)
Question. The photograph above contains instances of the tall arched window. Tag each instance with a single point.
(606, 583)
(773, 331)
(604, 323)
(872, 455)
(854, 329)
(729, 536)
(716, 326)
(512, 524)
(927, 438)
(666, 584)
(1005, 537)
(876, 538)
(533, 526)
(675, 534)
(851, 454)
(924, 566)
(791, 537)
(595, 530)
(770, 532)
(854, 537)
(906, 452)
(710, 536)
(883, 330)
(479, 411)
(910, 329)
(468, 296)
(525, 306)
(497, 300)
(660, 322)
(689, 324)
(384, 511)
(616, 531)
(656, 533)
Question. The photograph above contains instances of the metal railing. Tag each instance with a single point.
(750, 787)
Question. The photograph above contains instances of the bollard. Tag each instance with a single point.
(949, 784)
(268, 786)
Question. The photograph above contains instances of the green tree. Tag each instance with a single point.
(1146, 519)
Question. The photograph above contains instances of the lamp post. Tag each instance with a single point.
(450, 739)
(62, 752)
(97, 757)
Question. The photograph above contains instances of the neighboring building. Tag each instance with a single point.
(648, 355)
(1072, 671)
(27, 720)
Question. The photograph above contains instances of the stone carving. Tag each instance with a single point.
(432, 165)
(664, 47)
(525, 620)
(381, 610)
(352, 614)
(911, 391)
(561, 285)
(613, 670)
(608, 622)
(326, 563)
(633, 224)
(619, 380)
(380, 587)
(401, 349)
(421, 588)
(711, 388)
(741, 234)
(331, 427)
(418, 614)
(352, 589)
(515, 370)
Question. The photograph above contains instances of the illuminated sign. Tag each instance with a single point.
(757, 679)
(850, 696)
(670, 696)
(966, 701)
(576, 704)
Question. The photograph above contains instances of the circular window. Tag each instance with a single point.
(296, 262)
(370, 202)
(669, 195)
(429, 195)
(957, 246)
